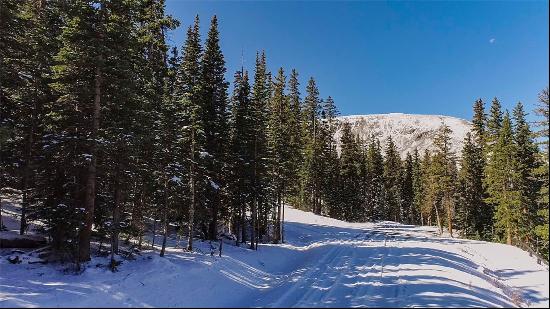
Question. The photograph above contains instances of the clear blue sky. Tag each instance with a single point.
(380, 57)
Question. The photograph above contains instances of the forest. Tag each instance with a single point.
(106, 127)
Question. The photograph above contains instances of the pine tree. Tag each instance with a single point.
(470, 204)
(295, 138)
(188, 93)
(242, 153)
(12, 51)
(526, 153)
(329, 165)
(310, 181)
(375, 195)
(213, 96)
(260, 104)
(494, 122)
(279, 147)
(407, 190)
(430, 186)
(349, 179)
(501, 177)
(79, 82)
(418, 188)
(541, 230)
(444, 167)
(392, 183)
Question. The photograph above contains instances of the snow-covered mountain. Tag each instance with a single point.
(408, 131)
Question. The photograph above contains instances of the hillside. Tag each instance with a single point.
(324, 263)
(408, 131)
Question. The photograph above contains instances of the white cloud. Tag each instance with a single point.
(492, 40)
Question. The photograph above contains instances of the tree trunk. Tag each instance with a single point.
(214, 223)
(165, 217)
(26, 175)
(192, 169)
(439, 223)
(116, 217)
(253, 241)
(243, 225)
(89, 195)
(283, 224)
(449, 217)
(154, 230)
(1, 216)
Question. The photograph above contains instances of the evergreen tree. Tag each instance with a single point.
(261, 200)
(310, 182)
(470, 204)
(329, 163)
(443, 179)
(242, 154)
(527, 184)
(188, 93)
(391, 209)
(294, 126)
(407, 191)
(213, 96)
(418, 188)
(501, 177)
(349, 179)
(279, 147)
(494, 122)
(79, 83)
(541, 230)
(375, 196)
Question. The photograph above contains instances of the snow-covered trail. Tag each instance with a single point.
(391, 265)
(324, 263)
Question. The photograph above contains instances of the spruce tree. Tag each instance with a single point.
(470, 204)
(310, 172)
(501, 177)
(375, 195)
(494, 121)
(213, 97)
(541, 230)
(294, 126)
(279, 147)
(188, 93)
(261, 200)
(407, 191)
(418, 188)
(349, 179)
(392, 183)
(527, 184)
(242, 154)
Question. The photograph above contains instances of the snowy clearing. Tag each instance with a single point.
(324, 263)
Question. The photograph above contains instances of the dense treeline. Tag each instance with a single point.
(496, 189)
(105, 128)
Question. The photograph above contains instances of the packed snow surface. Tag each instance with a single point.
(408, 131)
(323, 263)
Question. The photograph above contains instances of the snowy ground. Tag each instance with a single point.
(325, 263)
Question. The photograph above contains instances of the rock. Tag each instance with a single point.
(11, 239)
(14, 259)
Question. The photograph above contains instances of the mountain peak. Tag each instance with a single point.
(409, 131)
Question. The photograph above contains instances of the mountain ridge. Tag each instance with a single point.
(408, 131)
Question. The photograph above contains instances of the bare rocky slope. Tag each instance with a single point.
(408, 131)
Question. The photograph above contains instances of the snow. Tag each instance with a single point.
(408, 131)
(324, 263)
(214, 184)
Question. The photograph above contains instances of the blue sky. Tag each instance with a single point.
(379, 57)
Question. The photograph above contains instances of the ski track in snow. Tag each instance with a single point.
(325, 263)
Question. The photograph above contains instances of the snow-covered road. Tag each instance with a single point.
(324, 263)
